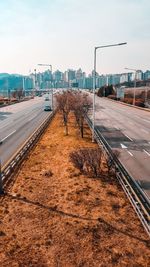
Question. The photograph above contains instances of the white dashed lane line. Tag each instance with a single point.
(146, 152)
(32, 118)
(125, 147)
(6, 124)
(117, 127)
(144, 131)
(146, 120)
(8, 136)
(130, 153)
(131, 123)
(129, 137)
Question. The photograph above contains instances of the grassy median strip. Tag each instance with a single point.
(54, 215)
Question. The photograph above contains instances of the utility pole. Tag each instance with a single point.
(147, 99)
(135, 78)
(35, 79)
(94, 81)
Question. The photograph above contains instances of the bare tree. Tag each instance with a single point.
(81, 103)
(20, 93)
(64, 101)
(17, 94)
(78, 102)
(14, 94)
(88, 160)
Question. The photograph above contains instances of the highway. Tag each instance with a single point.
(127, 129)
(17, 123)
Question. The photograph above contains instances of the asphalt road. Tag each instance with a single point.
(17, 122)
(127, 129)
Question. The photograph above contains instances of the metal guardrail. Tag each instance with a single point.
(7, 171)
(137, 197)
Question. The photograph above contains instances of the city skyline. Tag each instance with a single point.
(63, 33)
(70, 78)
(86, 74)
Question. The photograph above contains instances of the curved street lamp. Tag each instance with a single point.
(94, 81)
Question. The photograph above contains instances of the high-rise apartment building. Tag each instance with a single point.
(58, 75)
(146, 75)
(79, 74)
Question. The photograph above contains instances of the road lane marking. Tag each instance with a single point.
(144, 131)
(130, 153)
(123, 146)
(128, 137)
(6, 124)
(146, 152)
(32, 118)
(146, 120)
(8, 136)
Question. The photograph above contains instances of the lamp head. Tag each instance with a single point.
(122, 43)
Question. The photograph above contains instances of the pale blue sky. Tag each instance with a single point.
(64, 32)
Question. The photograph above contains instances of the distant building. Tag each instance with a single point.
(138, 75)
(89, 82)
(146, 75)
(70, 75)
(101, 81)
(58, 75)
(79, 74)
(116, 79)
(126, 77)
(121, 92)
(28, 83)
(57, 79)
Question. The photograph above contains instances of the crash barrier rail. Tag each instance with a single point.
(137, 197)
(9, 168)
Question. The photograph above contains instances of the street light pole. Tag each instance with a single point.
(134, 88)
(23, 85)
(51, 85)
(94, 87)
(35, 79)
(94, 81)
(133, 103)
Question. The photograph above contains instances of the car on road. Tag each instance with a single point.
(47, 108)
(46, 98)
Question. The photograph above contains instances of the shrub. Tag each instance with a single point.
(110, 160)
(87, 160)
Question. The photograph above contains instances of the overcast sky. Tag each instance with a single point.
(64, 32)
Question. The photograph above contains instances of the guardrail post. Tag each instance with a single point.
(1, 183)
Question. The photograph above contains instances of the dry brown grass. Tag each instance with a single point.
(54, 216)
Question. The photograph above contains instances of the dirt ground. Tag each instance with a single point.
(52, 216)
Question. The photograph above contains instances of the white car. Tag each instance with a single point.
(47, 108)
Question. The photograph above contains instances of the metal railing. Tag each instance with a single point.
(8, 170)
(137, 197)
